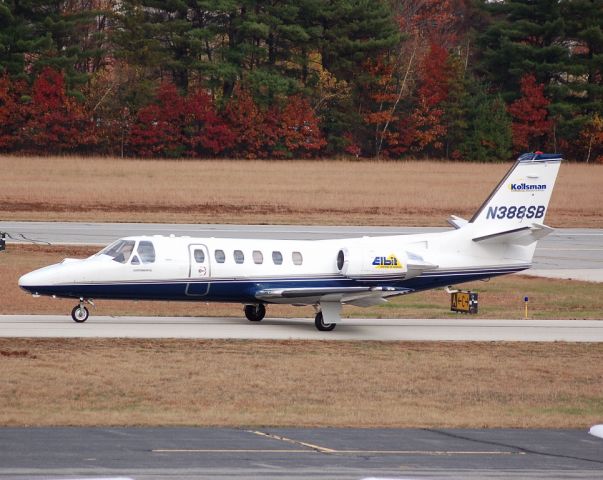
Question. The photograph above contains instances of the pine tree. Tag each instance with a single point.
(456, 106)
(525, 36)
(488, 137)
(581, 90)
(354, 31)
(51, 34)
(561, 44)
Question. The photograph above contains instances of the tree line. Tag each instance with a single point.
(457, 79)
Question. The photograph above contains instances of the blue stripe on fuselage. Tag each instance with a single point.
(241, 291)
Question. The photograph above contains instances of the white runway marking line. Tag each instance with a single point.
(317, 448)
(320, 449)
(340, 452)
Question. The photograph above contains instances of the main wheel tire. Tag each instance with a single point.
(321, 325)
(255, 313)
(79, 314)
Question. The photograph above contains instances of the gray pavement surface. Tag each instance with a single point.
(61, 326)
(567, 253)
(299, 453)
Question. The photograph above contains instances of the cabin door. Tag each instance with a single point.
(199, 270)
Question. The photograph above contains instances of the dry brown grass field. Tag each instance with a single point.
(335, 192)
(499, 298)
(284, 383)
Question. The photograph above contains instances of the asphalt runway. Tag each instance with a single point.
(567, 253)
(298, 453)
(61, 326)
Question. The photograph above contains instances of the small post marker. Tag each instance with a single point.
(525, 300)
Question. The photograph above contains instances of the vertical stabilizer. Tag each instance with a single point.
(522, 198)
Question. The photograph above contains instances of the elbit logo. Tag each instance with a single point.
(387, 262)
(527, 187)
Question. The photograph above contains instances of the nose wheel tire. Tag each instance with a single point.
(255, 313)
(79, 314)
(321, 325)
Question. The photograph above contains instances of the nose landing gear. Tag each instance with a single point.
(80, 313)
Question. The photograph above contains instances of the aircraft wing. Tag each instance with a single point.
(359, 296)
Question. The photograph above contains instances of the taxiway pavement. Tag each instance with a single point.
(573, 253)
(61, 326)
(298, 453)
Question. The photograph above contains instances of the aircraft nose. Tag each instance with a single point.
(29, 280)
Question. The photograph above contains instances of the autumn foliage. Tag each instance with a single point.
(11, 113)
(55, 122)
(531, 124)
(454, 79)
(44, 118)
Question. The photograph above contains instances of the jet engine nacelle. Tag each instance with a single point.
(359, 263)
(363, 264)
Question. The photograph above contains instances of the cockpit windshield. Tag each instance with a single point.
(120, 251)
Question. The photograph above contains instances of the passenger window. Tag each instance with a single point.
(135, 260)
(297, 258)
(238, 256)
(277, 258)
(258, 257)
(199, 256)
(146, 251)
(220, 257)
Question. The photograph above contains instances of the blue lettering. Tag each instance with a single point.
(540, 211)
(377, 261)
(508, 212)
(521, 211)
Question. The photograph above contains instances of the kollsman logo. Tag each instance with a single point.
(527, 187)
(387, 262)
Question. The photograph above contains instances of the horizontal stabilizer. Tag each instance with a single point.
(457, 222)
(518, 236)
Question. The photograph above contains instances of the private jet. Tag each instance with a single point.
(499, 239)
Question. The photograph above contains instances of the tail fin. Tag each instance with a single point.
(521, 199)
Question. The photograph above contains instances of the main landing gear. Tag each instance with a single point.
(80, 313)
(329, 310)
(255, 313)
(321, 325)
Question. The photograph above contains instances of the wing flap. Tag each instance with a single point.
(273, 293)
(359, 296)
